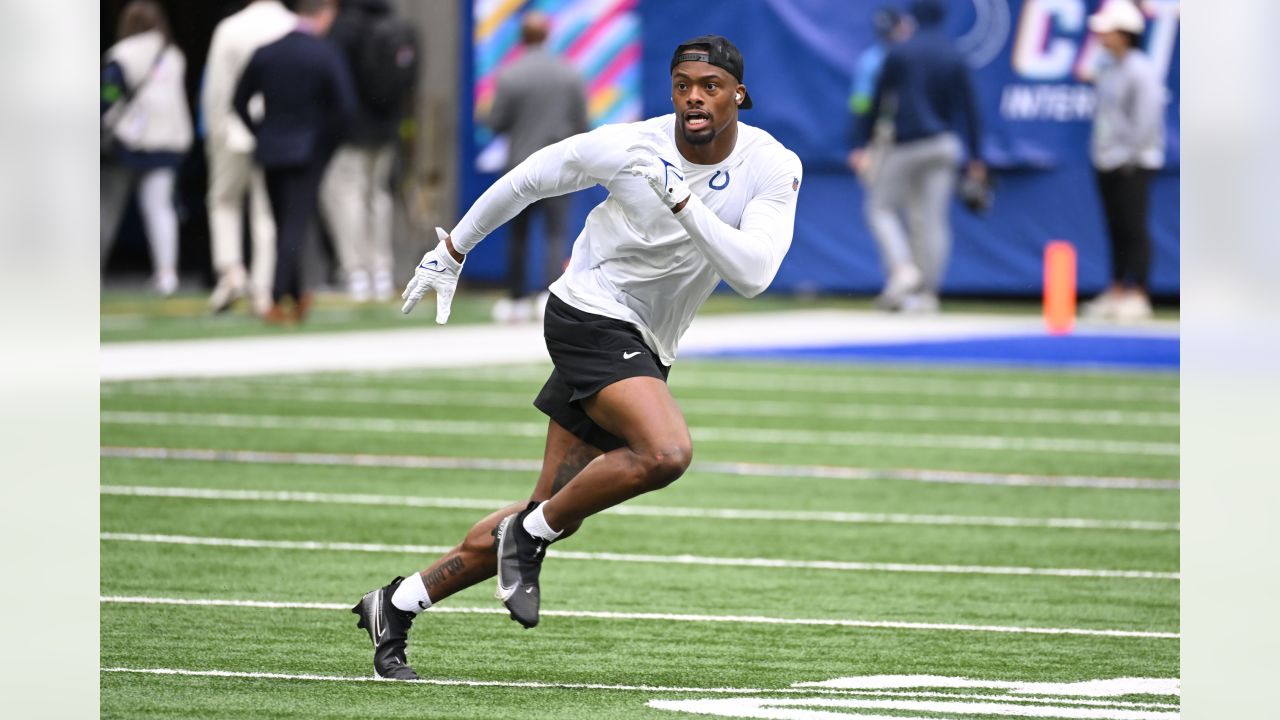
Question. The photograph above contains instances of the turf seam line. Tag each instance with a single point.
(650, 559)
(767, 436)
(663, 617)
(706, 406)
(364, 499)
(692, 377)
(745, 469)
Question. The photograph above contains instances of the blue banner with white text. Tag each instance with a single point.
(1030, 60)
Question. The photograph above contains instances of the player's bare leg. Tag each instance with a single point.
(388, 612)
(641, 412)
(473, 559)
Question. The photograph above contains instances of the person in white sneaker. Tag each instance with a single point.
(1127, 147)
(695, 197)
(147, 127)
(356, 195)
(232, 170)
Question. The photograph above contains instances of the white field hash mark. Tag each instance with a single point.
(652, 559)
(764, 436)
(1046, 696)
(287, 496)
(663, 617)
(756, 408)
(744, 469)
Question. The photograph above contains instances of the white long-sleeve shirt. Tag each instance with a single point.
(635, 260)
(235, 39)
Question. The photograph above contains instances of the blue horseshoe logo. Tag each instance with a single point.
(712, 182)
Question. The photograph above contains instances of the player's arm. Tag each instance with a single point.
(746, 257)
(554, 170)
(557, 169)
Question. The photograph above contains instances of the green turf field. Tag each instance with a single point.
(840, 521)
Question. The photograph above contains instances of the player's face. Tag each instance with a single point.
(704, 98)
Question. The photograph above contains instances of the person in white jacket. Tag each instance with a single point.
(229, 148)
(144, 113)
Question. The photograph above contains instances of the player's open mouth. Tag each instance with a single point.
(696, 120)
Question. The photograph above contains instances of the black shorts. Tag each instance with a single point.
(590, 352)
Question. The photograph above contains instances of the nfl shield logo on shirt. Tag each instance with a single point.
(795, 184)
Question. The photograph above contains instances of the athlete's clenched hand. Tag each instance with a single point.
(438, 271)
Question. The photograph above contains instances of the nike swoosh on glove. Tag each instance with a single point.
(665, 177)
(438, 271)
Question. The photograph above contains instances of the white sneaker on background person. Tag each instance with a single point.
(358, 286)
(1102, 307)
(903, 280)
(231, 286)
(920, 304)
(166, 283)
(383, 286)
(1133, 306)
(504, 311)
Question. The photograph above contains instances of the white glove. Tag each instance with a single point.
(666, 178)
(439, 271)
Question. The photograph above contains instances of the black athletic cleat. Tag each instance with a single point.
(388, 628)
(519, 562)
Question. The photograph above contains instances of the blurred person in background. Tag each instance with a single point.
(229, 148)
(146, 133)
(1127, 148)
(382, 51)
(926, 84)
(308, 101)
(891, 27)
(540, 99)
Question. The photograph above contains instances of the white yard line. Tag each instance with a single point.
(754, 408)
(191, 493)
(768, 436)
(762, 470)
(652, 559)
(667, 617)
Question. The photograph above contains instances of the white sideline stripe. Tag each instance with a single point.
(640, 688)
(770, 436)
(672, 617)
(860, 385)
(823, 472)
(637, 510)
(757, 408)
(654, 559)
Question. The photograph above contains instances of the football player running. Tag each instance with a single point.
(695, 197)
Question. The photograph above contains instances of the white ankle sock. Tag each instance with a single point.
(536, 525)
(411, 596)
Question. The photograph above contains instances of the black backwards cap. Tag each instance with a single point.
(713, 50)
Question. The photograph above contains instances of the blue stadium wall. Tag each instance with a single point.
(1027, 56)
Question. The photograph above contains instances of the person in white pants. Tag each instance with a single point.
(144, 112)
(229, 148)
(355, 198)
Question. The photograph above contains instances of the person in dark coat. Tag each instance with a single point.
(308, 102)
